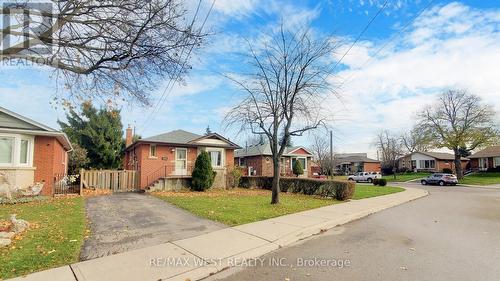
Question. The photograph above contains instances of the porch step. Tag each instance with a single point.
(170, 184)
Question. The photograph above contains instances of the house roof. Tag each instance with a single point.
(491, 151)
(182, 137)
(11, 122)
(265, 149)
(354, 158)
(439, 155)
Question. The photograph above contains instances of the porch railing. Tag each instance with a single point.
(168, 171)
(66, 184)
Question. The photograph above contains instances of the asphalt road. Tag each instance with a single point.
(453, 234)
(126, 221)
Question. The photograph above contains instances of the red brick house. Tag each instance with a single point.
(31, 152)
(488, 158)
(256, 160)
(172, 155)
(428, 161)
(347, 163)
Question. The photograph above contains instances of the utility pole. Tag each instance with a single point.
(331, 153)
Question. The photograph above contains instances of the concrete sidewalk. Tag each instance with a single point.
(198, 257)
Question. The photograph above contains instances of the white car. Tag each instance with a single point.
(364, 176)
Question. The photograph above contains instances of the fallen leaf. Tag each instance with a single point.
(412, 249)
(403, 267)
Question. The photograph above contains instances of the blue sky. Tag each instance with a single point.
(451, 44)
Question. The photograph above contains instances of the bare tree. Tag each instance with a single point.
(390, 149)
(103, 49)
(415, 140)
(321, 150)
(459, 122)
(283, 91)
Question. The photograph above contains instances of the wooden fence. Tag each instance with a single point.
(115, 180)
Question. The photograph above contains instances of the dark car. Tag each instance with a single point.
(441, 179)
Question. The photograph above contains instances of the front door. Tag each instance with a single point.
(180, 161)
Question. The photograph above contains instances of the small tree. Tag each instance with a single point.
(203, 175)
(297, 168)
(77, 159)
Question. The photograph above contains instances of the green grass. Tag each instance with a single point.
(240, 206)
(367, 191)
(484, 178)
(406, 177)
(54, 238)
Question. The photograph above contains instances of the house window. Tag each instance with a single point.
(23, 157)
(427, 164)
(241, 162)
(302, 161)
(496, 161)
(152, 150)
(6, 150)
(216, 158)
(483, 163)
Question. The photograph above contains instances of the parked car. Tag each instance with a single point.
(364, 176)
(440, 179)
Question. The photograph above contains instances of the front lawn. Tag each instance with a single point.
(406, 177)
(55, 236)
(483, 178)
(367, 191)
(240, 206)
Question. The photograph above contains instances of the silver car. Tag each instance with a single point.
(440, 179)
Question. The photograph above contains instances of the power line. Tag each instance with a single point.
(361, 34)
(389, 41)
(171, 83)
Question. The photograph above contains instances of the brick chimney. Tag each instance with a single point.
(128, 136)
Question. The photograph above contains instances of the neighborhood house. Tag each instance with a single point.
(172, 156)
(347, 163)
(486, 159)
(256, 160)
(427, 161)
(31, 153)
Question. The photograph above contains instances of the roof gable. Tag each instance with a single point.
(12, 120)
(176, 136)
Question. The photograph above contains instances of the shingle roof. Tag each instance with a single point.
(491, 151)
(262, 149)
(354, 157)
(177, 136)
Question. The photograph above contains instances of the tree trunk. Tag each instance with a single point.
(458, 164)
(276, 182)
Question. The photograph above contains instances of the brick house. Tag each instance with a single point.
(31, 152)
(355, 162)
(427, 161)
(173, 154)
(257, 160)
(488, 158)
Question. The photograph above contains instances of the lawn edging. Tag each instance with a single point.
(246, 241)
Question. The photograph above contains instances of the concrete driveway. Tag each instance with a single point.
(452, 234)
(127, 221)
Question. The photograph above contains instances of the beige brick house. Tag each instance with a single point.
(429, 161)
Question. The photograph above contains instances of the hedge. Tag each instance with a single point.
(340, 190)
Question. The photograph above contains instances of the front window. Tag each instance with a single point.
(427, 164)
(215, 158)
(241, 162)
(496, 160)
(302, 161)
(23, 157)
(6, 150)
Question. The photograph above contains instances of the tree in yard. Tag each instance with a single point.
(77, 159)
(321, 150)
(415, 140)
(99, 132)
(297, 168)
(460, 122)
(283, 91)
(203, 175)
(103, 48)
(390, 149)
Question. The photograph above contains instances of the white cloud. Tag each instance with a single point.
(236, 8)
(451, 46)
